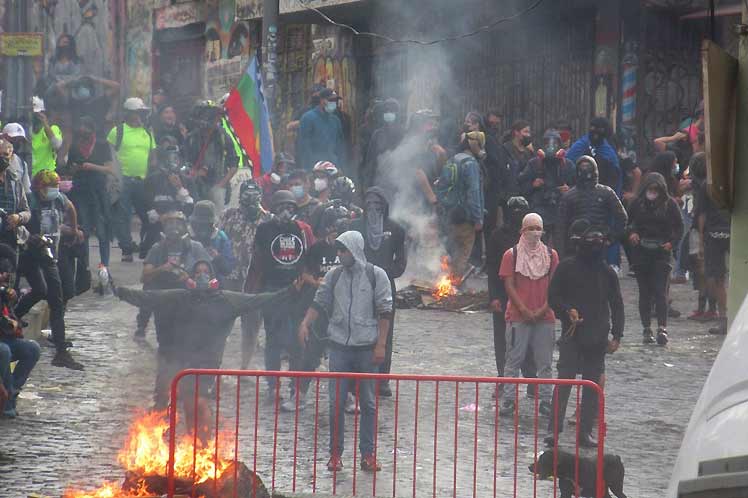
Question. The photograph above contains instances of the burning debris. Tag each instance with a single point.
(446, 293)
(198, 466)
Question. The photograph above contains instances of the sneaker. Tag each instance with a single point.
(289, 406)
(648, 336)
(127, 258)
(335, 464)
(9, 411)
(64, 359)
(587, 441)
(507, 408)
(370, 464)
(696, 316)
(679, 279)
(351, 405)
(709, 316)
(672, 312)
(662, 336)
(270, 396)
(384, 390)
(616, 269)
(545, 409)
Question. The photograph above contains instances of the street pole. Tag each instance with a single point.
(739, 237)
(270, 12)
(18, 74)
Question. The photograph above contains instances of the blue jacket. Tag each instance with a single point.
(320, 139)
(604, 152)
(224, 262)
(470, 187)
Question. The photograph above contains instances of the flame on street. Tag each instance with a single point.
(444, 287)
(146, 453)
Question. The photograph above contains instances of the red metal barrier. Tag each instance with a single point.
(473, 450)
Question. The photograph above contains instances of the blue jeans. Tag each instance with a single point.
(132, 199)
(26, 352)
(356, 361)
(94, 216)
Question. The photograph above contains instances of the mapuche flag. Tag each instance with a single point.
(247, 112)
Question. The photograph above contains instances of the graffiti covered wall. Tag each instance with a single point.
(88, 21)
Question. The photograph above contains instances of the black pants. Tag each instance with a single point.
(590, 362)
(653, 277)
(43, 276)
(386, 365)
(499, 348)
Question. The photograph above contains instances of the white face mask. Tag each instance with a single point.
(652, 195)
(320, 184)
(389, 117)
(275, 178)
(52, 193)
(331, 107)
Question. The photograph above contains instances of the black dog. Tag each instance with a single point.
(613, 473)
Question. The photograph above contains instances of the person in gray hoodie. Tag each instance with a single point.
(357, 298)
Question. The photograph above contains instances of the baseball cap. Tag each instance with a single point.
(328, 94)
(135, 104)
(14, 130)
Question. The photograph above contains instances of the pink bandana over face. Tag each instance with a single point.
(533, 259)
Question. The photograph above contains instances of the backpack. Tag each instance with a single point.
(121, 136)
(514, 259)
(447, 187)
(337, 272)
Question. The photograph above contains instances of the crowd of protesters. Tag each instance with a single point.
(546, 223)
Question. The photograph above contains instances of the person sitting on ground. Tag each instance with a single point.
(199, 318)
(204, 230)
(526, 270)
(358, 348)
(13, 347)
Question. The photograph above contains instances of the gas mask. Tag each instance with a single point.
(551, 148)
(202, 281)
(174, 230)
(250, 204)
(285, 215)
(171, 160)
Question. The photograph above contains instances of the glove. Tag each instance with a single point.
(153, 216)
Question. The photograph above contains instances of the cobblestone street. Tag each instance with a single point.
(71, 424)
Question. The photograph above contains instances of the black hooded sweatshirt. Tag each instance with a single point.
(391, 256)
(591, 287)
(598, 204)
(660, 220)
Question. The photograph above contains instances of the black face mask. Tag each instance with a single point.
(586, 177)
(515, 219)
(526, 141)
(591, 249)
(596, 137)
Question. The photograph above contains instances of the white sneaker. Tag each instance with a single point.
(289, 405)
(616, 269)
(351, 405)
